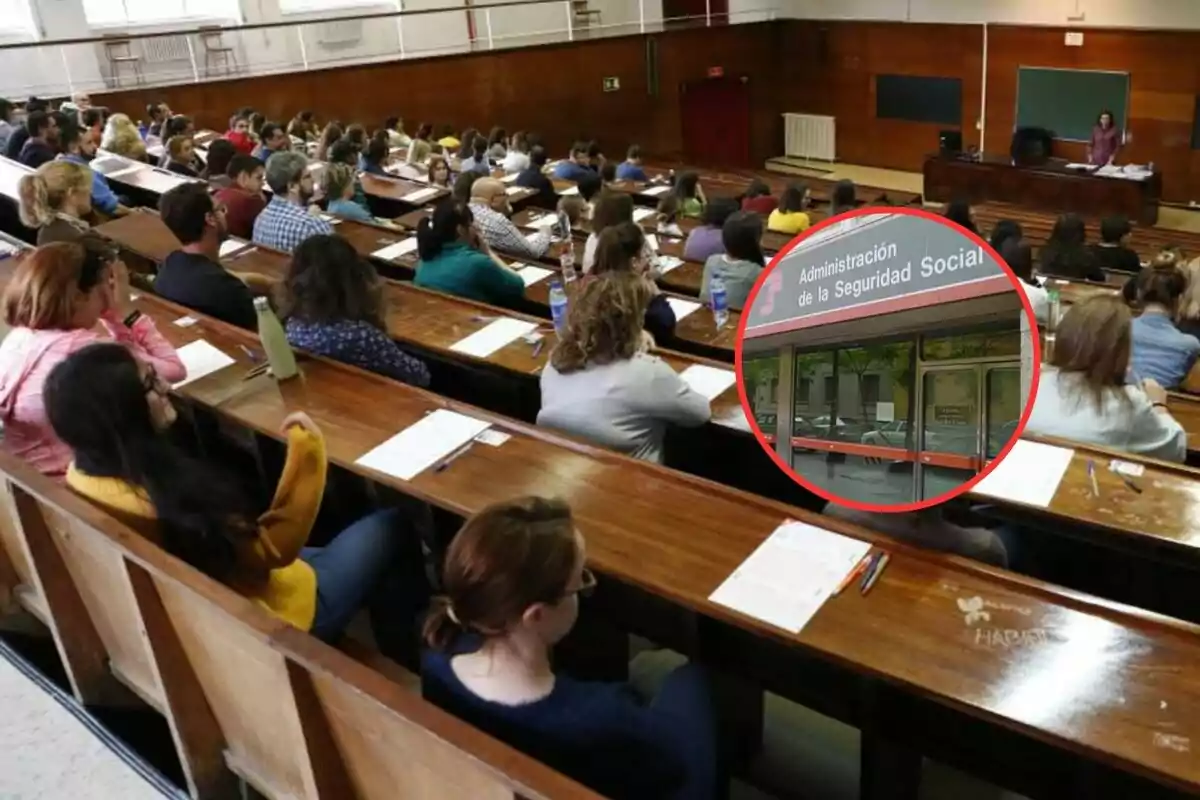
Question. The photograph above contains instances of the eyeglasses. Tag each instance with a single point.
(587, 584)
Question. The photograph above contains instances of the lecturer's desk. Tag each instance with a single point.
(1049, 186)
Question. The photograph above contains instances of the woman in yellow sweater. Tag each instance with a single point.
(114, 413)
(790, 217)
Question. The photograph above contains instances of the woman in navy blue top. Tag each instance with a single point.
(334, 308)
(512, 577)
(622, 248)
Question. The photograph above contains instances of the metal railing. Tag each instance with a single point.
(144, 59)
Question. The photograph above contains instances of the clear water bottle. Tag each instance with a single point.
(143, 130)
(1055, 308)
(274, 341)
(567, 260)
(558, 305)
(719, 301)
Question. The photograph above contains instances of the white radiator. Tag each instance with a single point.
(809, 136)
(340, 33)
(162, 49)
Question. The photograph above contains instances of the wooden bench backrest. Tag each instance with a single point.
(246, 695)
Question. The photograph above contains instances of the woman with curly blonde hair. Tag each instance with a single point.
(603, 384)
(121, 137)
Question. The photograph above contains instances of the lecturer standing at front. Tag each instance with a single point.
(1105, 142)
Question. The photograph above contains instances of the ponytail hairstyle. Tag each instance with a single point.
(506, 558)
(741, 235)
(442, 227)
(617, 247)
(96, 402)
(43, 192)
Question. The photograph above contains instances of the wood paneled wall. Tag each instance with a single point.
(831, 66)
(555, 90)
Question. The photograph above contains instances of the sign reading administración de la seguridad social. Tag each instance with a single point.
(852, 269)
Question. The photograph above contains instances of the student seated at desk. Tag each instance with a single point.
(157, 114)
(516, 158)
(705, 239)
(374, 159)
(56, 298)
(958, 211)
(457, 260)
(180, 125)
(631, 168)
(496, 140)
(741, 263)
(115, 415)
(345, 152)
(304, 127)
(758, 198)
(690, 194)
(121, 138)
(6, 122)
(477, 162)
(613, 208)
(329, 137)
(239, 134)
(513, 577)
(337, 182)
(491, 209)
(1086, 394)
(1004, 230)
(1187, 317)
(466, 143)
(623, 248)
(534, 178)
(1065, 255)
(589, 187)
(79, 148)
(1113, 251)
(42, 144)
(192, 275)
(1160, 350)
(420, 147)
(287, 220)
(243, 197)
(790, 217)
(463, 185)
(356, 136)
(575, 165)
(216, 164)
(1019, 257)
(602, 384)
(1169, 257)
(439, 172)
(596, 159)
(54, 199)
(843, 198)
(666, 216)
(274, 140)
(333, 301)
(395, 131)
(180, 155)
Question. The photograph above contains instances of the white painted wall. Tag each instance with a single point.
(1080, 13)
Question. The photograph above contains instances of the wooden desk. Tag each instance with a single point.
(1186, 410)
(142, 182)
(1050, 186)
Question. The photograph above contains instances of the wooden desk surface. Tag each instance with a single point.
(420, 317)
(1186, 410)
(1110, 683)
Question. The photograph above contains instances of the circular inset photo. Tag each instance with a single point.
(887, 361)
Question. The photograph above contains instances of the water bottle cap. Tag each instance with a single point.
(261, 304)
(555, 284)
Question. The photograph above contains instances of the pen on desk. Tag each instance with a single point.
(450, 459)
(853, 574)
(1092, 476)
(1129, 482)
(879, 568)
(254, 373)
(870, 569)
(537, 347)
(483, 318)
(250, 354)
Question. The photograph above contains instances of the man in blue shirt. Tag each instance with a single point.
(631, 168)
(532, 177)
(286, 221)
(272, 140)
(79, 147)
(575, 166)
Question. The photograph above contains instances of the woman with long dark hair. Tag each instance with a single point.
(455, 259)
(1065, 254)
(690, 194)
(741, 263)
(114, 413)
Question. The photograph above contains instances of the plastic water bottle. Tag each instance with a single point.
(558, 306)
(567, 260)
(720, 303)
(274, 341)
(143, 130)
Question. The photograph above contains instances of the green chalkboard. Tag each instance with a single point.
(1068, 101)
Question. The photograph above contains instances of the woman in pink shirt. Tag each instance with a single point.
(54, 301)
(1106, 141)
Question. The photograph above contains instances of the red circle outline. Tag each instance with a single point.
(916, 505)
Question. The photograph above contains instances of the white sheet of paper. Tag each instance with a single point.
(787, 579)
(640, 214)
(490, 338)
(655, 191)
(532, 238)
(546, 221)
(230, 246)
(682, 307)
(1029, 474)
(1128, 468)
(667, 263)
(420, 195)
(397, 249)
(708, 381)
(511, 190)
(159, 182)
(652, 242)
(571, 190)
(885, 412)
(510, 177)
(185, 322)
(201, 358)
(422, 444)
(123, 171)
(531, 274)
(493, 437)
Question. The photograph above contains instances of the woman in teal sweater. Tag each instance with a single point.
(456, 260)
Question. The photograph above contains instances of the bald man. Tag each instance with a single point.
(489, 204)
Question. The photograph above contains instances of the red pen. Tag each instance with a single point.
(859, 568)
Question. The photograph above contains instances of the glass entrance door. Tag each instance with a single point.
(949, 426)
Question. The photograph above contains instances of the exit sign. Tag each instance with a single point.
(716, 72)
(612, 84)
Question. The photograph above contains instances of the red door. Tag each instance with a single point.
(716, 122)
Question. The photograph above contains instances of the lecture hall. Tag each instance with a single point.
(372, 401)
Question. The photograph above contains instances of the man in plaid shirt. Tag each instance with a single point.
(489, 204)
(286, 221)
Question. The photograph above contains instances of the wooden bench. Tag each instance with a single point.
(247, 697)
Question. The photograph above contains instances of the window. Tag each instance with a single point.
(135, 12)
(760, 375)
(16, 18)
(308, 6)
